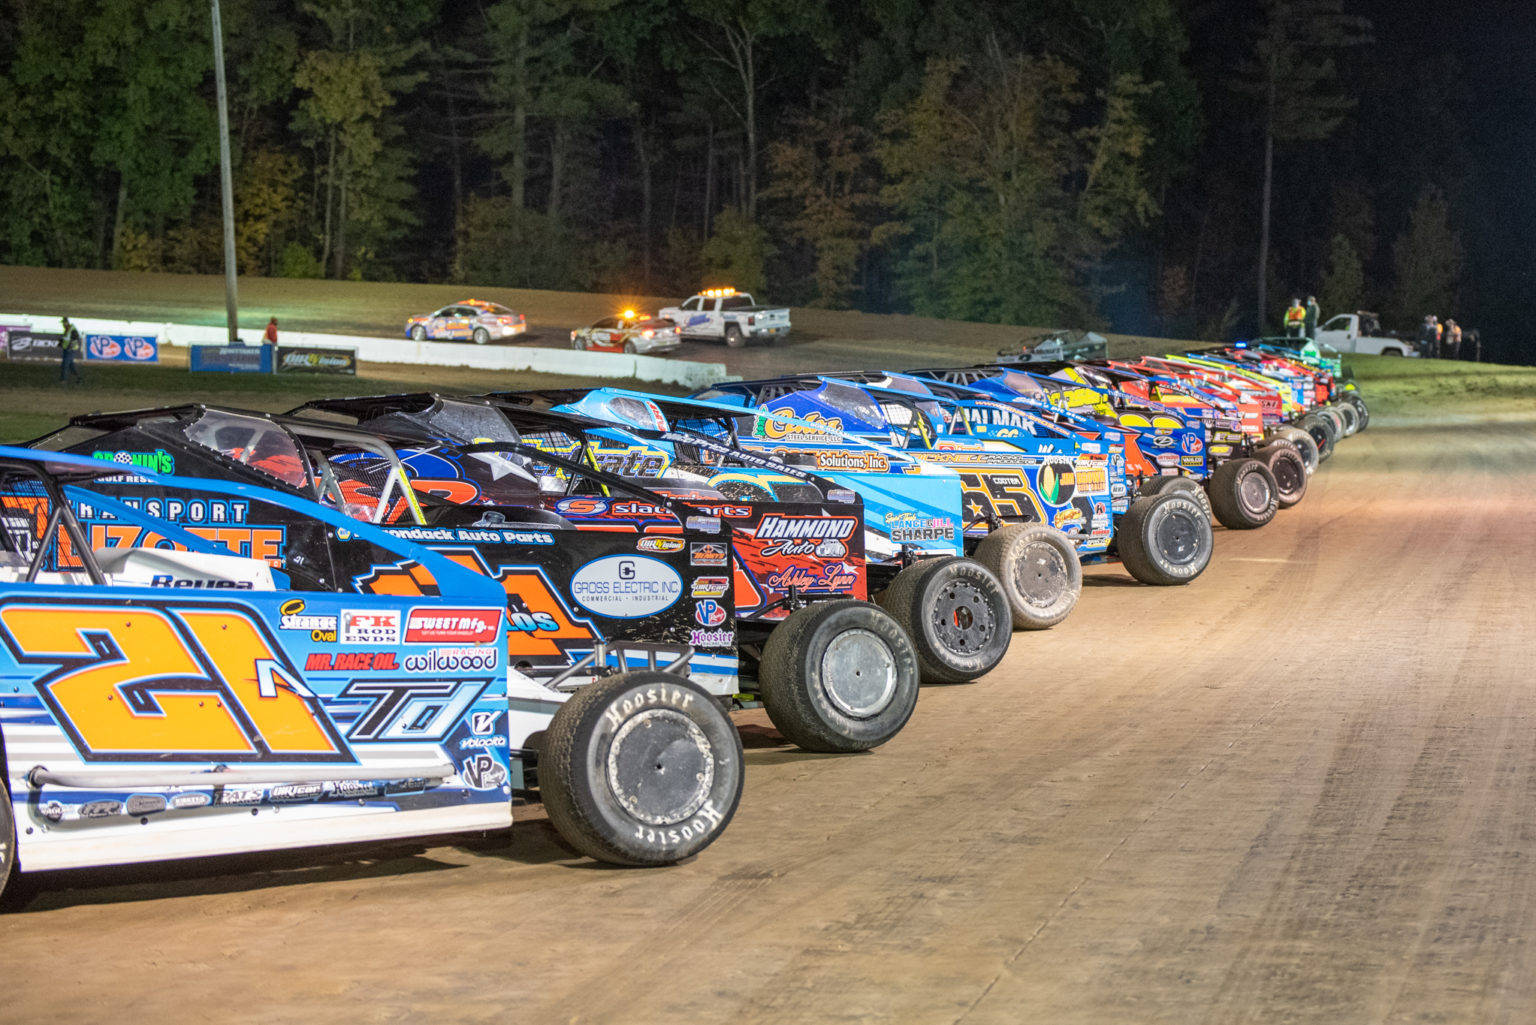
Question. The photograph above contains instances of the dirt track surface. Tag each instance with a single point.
(821, 339)
(1302, 789)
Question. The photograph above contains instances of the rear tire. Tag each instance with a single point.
(838, 676)
(1243, 494)
(1351, 418)
(629, 348)
(1354, 399)
(7, 838)
(956, 614)
(1322, 437)
(733, 336)
(1039, 570)
(1165, 539)
(1180, 483)
(642, 768)
(480, 336)
(1306, 447)
(1288, 469)
(579, 344)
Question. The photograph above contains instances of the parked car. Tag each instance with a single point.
(728, 314)
(476, 320)
(628, 332)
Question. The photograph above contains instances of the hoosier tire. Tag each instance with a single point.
(1289, 471)
(956, 614)
(1165, 539)
(7, 838)
(838, 676)
(1186, 485)
(1039, 570)
(1243, 494)
(1306, 447)
(642, 768)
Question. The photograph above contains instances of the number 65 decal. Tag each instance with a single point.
(172, 682)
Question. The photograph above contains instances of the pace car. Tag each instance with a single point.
(474, 320)
(628, 332)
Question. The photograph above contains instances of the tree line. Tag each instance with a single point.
(1153, 165)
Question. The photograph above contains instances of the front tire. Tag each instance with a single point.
(418, 333)
(838, 676)
(1165, 539)
(1351, 418)
(956, 614)
(1306, 446)
(642, 768)
(733, 336)
(1243, 494)
(7, 838)
(1039, 570)
(1322, 437)
(1288, 469)
(1184, 485)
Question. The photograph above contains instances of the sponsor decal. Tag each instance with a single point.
(192, 800)
(640, 509)
(712, 638)
(370, 627)
(160, 461)
(709, 612)
(122, 348)
(348, 789)
(1191, 461)
(1161, 441)
(815, 425)
(1166, 459)
(454, 660)
(240, 795)
(626, 587)
(706, 554)
(822, 536)
(483, 772)
(710, 587)
(470, 535)
(293, 359)
(291, 616)
(835, 577)
(351, 662)
(100, 809)
(1190, 444)
(581, 506)
(209, 583)
(633, 461)
(1058, 483)
(659, 545)
(908, 527)
(730, 512)
(452, 626)
(409, 709)
(482, 723)
(53, 811)
(297, 792)
(145, 804)
(480, 743)
(1067, 517)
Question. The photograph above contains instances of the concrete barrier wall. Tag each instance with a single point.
(403, 350)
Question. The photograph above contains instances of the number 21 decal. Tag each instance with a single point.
(171, 682)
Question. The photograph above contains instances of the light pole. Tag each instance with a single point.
(230, 301)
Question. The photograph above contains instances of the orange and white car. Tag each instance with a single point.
(628, 332)
(474, 320)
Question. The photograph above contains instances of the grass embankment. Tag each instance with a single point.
(33, 402)
(1428, 388)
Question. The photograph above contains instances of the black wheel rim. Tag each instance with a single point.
(1177, 534)
(661, 767)
(1254, 492)
(963, 620)
(1041, 575)
(1288, 476)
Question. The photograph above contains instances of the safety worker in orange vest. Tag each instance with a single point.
(1295, 319)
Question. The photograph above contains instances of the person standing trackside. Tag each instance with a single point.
(1451, 347)
(1428, 335)
(1314, 313)
(269, 337)
(70, 347)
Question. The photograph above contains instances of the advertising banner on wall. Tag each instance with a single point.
(305, 359)
(28, 346)
(103, 348)
(232, 359)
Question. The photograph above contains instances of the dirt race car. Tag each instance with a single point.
(474, 320)
(163, 695)
(601, 574)
(628, 332)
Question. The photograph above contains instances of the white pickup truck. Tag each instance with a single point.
(728, 314)
(1361, 332)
